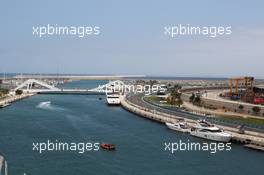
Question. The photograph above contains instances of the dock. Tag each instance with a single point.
(256, 140)
(11, 99)
(254, 147)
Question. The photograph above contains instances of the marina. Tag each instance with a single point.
(163, 117)
(84, 116)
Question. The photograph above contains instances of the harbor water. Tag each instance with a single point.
(86, 118)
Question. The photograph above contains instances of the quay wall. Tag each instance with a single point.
(15, 98)
(254, 137)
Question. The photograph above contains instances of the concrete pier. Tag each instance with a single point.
(14, 98)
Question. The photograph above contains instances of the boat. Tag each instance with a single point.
(107, 146)
(4, 105)
(180, 125)
(206, 130)
(45, 103)
(113, 99)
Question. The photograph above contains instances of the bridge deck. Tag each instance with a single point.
(73, 91)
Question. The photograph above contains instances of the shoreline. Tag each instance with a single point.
(77, 77)
(11, 99)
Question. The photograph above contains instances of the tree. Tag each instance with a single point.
(19, 92)
(175, 94)
(175, 98)
(241, 107)
(177, 86)
(197, 100)
(179, 102)
(256, 109)
(192, 98)
(3, 92)
(170, 100)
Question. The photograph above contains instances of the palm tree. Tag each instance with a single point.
(192, 97)
(256, 109)
(19, 92)
(241, 107)
(175, 98)
(197, 100)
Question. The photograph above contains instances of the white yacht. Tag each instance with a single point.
(4, 105)
(113, 99)
(179, 125)
(208, 131)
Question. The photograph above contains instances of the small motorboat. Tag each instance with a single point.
(45, 103)
(100, 98)
(4, 105)
(180, 125)
(107, 146)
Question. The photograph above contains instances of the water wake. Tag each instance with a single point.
(48, 106)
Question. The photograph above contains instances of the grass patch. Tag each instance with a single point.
(154, 99)
(252, 121)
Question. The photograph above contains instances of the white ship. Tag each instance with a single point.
(179, 125)
(208, 131)
(113, 99)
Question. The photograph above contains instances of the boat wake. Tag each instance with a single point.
(46, 105)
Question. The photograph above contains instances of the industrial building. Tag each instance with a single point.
(242, 88)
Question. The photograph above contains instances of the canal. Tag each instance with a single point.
(86, 118)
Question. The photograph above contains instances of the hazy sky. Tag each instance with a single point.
(132, 38)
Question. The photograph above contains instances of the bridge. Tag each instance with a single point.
(37, 86)
(29, 85)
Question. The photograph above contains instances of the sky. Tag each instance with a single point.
(132, 39)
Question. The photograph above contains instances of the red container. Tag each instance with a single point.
(259, 100)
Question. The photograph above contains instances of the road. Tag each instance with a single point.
(139, 100)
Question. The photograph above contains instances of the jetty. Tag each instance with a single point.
(255, 147)
(13, 98)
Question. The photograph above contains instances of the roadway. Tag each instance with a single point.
(140, 101)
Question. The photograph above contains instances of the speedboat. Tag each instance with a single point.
(46, 103)
(107, 146)
(206, 130)
(179, 125)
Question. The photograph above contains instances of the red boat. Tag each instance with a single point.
(107, 146)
